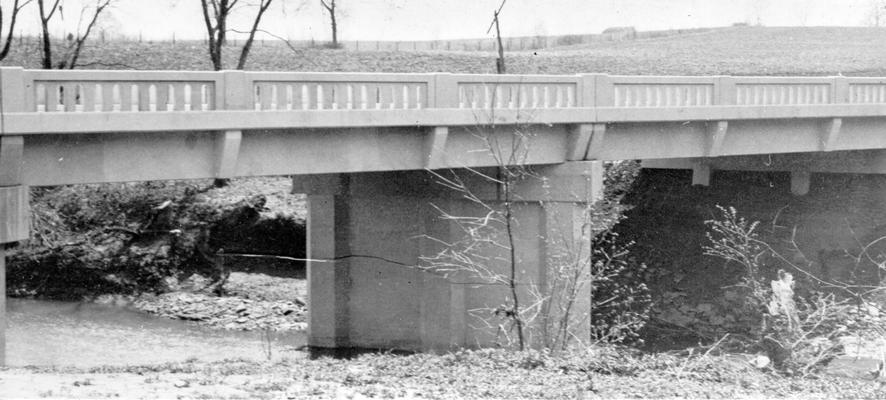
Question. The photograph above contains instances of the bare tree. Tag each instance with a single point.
(876, 15)
(45, 17)
(329, 5)
(215, 17)
(500, 62)
(758, 10)
(74, 45)
(17, 5)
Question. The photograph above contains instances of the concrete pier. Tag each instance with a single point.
(367, 233)
(14, 226)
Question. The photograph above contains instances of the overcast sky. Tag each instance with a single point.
(449, 19)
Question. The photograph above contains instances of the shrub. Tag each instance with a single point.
(798, 333)
(123, 238)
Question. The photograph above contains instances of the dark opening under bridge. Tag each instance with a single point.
(359, 145)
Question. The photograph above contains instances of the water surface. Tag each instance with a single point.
(51, 333)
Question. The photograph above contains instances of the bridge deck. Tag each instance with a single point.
(62, 127)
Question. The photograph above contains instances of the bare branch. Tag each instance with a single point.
(244, 53)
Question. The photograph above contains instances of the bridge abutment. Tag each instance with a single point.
(369, 236)
(14, 226)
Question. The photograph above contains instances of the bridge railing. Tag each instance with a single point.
(103, 91)
(556, 98)
(339, 91)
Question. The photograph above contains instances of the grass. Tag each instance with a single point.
(735, 51)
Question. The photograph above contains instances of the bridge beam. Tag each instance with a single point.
(368, 232)
(228, 151)
(831, 133)
(435, 147)
(716, 137)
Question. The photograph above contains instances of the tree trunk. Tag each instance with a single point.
(47, 46)
(500, 63)
(8, 43)
(216, 34)
(330, 7)
(244, 53)
(334, 27)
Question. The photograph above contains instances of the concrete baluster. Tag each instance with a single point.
(570, 96)
(350, 100)
(98, 98)
(134, 94)
(146, 98)
(418, 97)
(116, 102)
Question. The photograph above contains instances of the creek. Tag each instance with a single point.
(79, 334)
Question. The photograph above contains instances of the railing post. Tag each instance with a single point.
(444, 94)
(14, 212)
(604, 91)
(445, 91)
(587, 90)
(724, 91)
(237, 94)
(840, 90)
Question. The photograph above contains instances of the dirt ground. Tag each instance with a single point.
(493, 374)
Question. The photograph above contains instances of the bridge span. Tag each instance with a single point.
(360, 144)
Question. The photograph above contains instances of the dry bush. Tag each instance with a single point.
(799, 333)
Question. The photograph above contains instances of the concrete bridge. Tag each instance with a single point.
(360, 144)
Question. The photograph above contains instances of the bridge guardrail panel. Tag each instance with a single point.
(655, 91)
(345, 91)
(103, 91)
(761, 91)
(865, 90)
(517, 91)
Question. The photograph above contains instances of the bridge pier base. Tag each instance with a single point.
(368, 232)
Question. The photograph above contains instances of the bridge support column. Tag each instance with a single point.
(368, 233)
(800, 182)
(701, 174)
(14, 226)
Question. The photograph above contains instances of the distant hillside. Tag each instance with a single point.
(737, 51)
